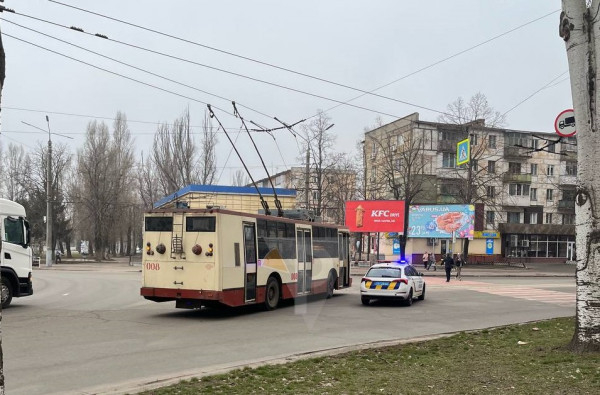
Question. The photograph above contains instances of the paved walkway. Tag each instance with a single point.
(502, 270)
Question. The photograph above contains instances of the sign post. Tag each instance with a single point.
(564, 124)
(463, 152)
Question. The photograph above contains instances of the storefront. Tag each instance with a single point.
(540, 242)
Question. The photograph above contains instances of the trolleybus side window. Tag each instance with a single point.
(200, 224)
(159, 224)
(325, 242)
(276, 235)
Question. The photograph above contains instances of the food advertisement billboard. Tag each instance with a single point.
(439, 221)
(375, 216)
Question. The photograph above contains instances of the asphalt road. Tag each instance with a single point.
(89, 331)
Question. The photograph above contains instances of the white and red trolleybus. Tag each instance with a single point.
(203, 257)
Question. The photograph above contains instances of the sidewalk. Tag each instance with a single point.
(497, 270)
(115, 264)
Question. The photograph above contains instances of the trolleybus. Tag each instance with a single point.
(208, 257)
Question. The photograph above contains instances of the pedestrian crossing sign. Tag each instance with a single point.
(463, 152)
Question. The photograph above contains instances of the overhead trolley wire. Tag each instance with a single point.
(364, 92)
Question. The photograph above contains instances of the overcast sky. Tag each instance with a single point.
(360, 44)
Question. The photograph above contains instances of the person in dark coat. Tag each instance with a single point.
(448, 264)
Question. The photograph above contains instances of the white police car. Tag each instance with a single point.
(392, 280)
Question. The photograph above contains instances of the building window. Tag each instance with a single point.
(449, 160)
(549, 194)
(568, 219)
(514, 217)
(533, 218)
(397, 164)
(373, 151)
(475, 165)
(492, 141)
(533, 193)
(490, 217)
(568, 194)
(373, 174)
(571, 169)
(548, 218)
(534, 169)
(491, 191)
(550, 170)
(473, 139)
(534, 143)
(518, 189)
(400, 140)
(552, 147)
(514, 168)
(491, 167)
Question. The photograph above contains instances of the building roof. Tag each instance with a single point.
(224, 189)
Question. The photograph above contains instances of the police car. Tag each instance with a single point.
(392, 280)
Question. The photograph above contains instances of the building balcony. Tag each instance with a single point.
(517, 152)
(567, 180)
(517, 178)
(447, 199)
(516, 201)
(447, 145)
(566, 204)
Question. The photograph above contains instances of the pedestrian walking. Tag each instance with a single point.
(431, 261)
(425, 259)
(459, 262)
(448, 264)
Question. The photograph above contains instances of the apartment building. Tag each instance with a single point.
(521, 183)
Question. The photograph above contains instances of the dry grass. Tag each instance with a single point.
(518, 359)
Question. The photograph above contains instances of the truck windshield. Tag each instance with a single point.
(14, 230)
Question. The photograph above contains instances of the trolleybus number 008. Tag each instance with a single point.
(152, 266)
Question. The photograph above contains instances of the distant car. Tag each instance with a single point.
(395, 281)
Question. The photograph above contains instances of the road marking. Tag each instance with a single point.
(537, 294)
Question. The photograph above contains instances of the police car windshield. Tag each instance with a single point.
(385, 272)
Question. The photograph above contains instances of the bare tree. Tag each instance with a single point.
(2, 75)
(319, 150)
(15, 168)
(175, 155)
(240, 178)
(461, 112)
(341, 187)
(147, 179)
(208, 158)
(578, 23)
(401, 168)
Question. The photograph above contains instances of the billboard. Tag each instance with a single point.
(439, 221)
(375, 216)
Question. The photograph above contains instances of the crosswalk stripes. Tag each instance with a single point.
(519, 292)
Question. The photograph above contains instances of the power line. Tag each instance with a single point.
(243, 75)
(132, 66)
(547, 85)
(364, 92)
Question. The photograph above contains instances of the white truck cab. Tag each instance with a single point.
(15, 256)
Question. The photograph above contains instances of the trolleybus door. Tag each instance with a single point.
(304, 260)
(249, 261)
(344, 267)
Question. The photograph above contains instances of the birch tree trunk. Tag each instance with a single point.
(578, 24)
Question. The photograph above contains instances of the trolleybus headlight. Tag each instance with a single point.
(161, 248)
(196, 249)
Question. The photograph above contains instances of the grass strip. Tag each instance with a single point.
(519, 359)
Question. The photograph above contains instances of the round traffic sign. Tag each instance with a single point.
(565, 123)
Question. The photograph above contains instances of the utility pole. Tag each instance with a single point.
(49, 246)
(307, 178)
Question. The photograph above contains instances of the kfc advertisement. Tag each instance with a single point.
(375, 216)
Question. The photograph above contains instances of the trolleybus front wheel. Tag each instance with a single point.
(271, 294)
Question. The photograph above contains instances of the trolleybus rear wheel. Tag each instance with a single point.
(271, 294)
(330, 284)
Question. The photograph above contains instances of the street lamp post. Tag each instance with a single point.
(49, 246)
